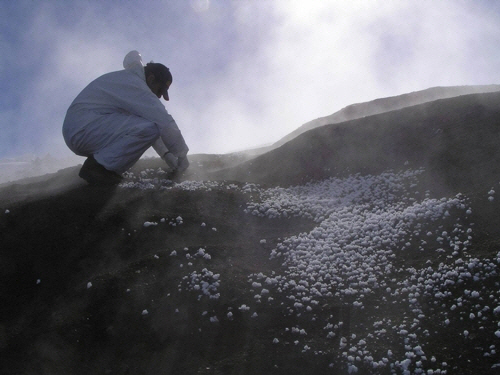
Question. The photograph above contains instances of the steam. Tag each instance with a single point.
(245, 73)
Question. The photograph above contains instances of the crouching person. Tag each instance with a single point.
(118, 116)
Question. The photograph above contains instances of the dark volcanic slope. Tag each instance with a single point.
(52, 321)
(450, 137)
(109, 281)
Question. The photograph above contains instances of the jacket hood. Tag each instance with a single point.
(133, 62)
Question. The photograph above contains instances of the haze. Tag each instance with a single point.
(246, 73)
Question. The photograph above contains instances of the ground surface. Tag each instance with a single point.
(178, 277)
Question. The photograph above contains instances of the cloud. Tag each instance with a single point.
(434, 45)
(199, 5)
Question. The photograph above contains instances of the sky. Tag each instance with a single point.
(246, 72)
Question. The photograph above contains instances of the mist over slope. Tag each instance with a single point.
(370, 246)
(26, 166)
(14, 170)
(381, 105)
(451, 137)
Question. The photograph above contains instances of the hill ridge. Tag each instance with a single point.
(381, 105)
(330, 149)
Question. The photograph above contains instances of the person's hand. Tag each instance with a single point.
(183, 164)
(171, 160)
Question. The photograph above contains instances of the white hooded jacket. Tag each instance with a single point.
(125, 92)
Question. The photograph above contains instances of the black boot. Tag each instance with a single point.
(95, 174)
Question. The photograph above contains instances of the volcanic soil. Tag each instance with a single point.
(176, 275)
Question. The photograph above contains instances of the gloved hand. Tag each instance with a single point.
(171, 160)
(183, 164)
